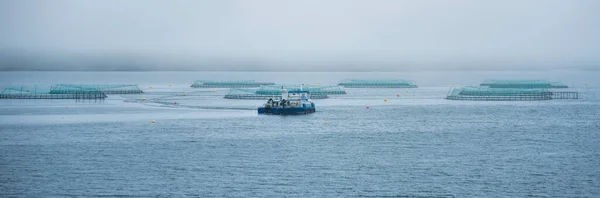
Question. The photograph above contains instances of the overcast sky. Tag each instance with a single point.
(309, 34)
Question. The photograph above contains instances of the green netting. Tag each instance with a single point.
(274, 92)
(249, 94)
(377, 83)
(313, 89)
(228, 84)
(522, 84)
(105, 88)
(486, 93)
(43, 92)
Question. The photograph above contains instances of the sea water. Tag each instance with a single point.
(416, 144)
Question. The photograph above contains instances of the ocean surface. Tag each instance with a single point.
(414, 145)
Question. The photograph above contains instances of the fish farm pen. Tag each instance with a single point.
(37, 93)
(104, 88)
(248, 94)
(313, 89)
(507, 94)
(363, 83)
(274, 92)
(228, 84)
(523, 84)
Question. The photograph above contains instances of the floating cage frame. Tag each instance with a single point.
(257, 94)
(523, 84)
(248, 94)
(506, 94)
(105, 88)
(313, 89)
(380, 83)
(228, 84)
(36, 93)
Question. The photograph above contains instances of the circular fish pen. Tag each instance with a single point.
(228, 84)
(264, 93)
(523, 84)
(498, 94)
(381, 83)
(104, 88)
(45, 93)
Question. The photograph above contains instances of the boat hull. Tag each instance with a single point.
(286, 111)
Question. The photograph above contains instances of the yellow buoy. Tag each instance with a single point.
(150, 87)
(184, 94)
(397, 95)
(384, 100)
(185, 83)
(170, 85)
(406, 91)
(143, 98)
(326, 122)
(153, 121)
(214, 90)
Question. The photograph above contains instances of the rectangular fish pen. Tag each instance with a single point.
(381, 83)
(104, 88)
(498, 94)
(228, 84)
(523, 84)
(37, 93)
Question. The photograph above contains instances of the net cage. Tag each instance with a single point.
(274, 91)
(249, 94)
(42, 92)
(104, 88)
(502, 94)
(377, 83)
(228, 84)
(313, 89)
(523, 84)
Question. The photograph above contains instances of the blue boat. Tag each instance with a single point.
(291, 103)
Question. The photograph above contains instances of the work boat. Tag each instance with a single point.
(291, 103)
